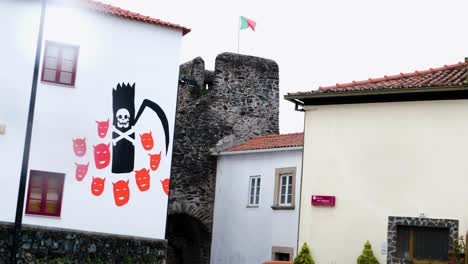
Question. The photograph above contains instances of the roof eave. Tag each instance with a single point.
(369, 96)
(250, 151)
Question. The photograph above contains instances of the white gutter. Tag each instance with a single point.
(256, 151)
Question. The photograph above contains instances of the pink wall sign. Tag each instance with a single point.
(323, 200)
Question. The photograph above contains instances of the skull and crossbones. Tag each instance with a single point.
(123, 121)
(123, 118)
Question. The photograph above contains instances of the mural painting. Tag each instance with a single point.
(81, 171)
(116, 150)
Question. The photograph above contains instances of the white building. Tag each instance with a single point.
(256, 206)
(392, 152)
(95, 58)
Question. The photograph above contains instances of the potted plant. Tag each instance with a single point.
(304, 256)
(367, 256)
(457, 254)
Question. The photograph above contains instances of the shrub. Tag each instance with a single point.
(367, 256)
(457, 255)
(304, 256)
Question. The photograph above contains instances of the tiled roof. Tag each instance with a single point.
(117, 11)
(271, 142)
(445, 76)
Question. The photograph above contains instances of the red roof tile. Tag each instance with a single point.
(447, 75)
(117, 11)
(271, 142)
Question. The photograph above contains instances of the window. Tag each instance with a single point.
(44, 193)
(254, 191)
(285, 187)
(59, 65)
(422, 243)
(285, 191)
(282, 253)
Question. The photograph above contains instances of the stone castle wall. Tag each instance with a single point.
(216, 110)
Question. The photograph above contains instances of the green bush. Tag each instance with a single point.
(367, 256)
(304, 256)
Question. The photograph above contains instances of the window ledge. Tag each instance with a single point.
(58, 84)
(278, 207)
(252, 206)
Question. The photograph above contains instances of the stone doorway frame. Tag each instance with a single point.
(395, 221)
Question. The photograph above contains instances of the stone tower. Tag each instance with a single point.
(216, 110)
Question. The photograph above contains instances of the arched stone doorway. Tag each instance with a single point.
(188, 240)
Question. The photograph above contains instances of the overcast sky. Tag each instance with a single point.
(321, 42)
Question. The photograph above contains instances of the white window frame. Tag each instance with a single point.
(256, 191)
(288, 191)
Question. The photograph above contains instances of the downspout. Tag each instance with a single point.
(298, 247)
(27, 143)
(298, 103)
(296, 108)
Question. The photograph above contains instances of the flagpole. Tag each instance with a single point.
(238, 35)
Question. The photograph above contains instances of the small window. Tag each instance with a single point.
(284, 195)
(59, 65)
(45, 193)
(254, 190)
(282, 253)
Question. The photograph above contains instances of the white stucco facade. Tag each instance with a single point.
(243, 234)
(400, 159)
(112, 50)
(19, 30)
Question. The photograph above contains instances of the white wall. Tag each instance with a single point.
(380, 160)
(20, 25)
(112, 50)
(246, 235)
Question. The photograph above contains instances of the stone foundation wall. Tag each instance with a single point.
(395, 221)
(47, 245)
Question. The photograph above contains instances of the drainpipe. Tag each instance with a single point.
(296, 107)
(27, 143)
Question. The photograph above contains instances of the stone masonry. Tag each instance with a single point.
(216, 110)
(395, 221)
(54, 245)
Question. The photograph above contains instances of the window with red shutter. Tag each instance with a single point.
(45, 193)
(59, 64)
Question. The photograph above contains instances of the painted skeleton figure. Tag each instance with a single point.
(123, 135)
(124, 120)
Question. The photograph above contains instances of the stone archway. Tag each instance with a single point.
(188, 240)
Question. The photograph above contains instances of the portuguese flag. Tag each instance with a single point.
(247, 23)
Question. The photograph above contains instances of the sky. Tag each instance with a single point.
(320, 43)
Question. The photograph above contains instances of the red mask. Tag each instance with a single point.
(102, 127)
(121, 192)
(79, 146)
(81, 170)
(155, 159)
(142, 178)
(101, 155)
(147, 141)
(165, 185)
(97, 186)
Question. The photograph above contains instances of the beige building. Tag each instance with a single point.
(386, 160)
